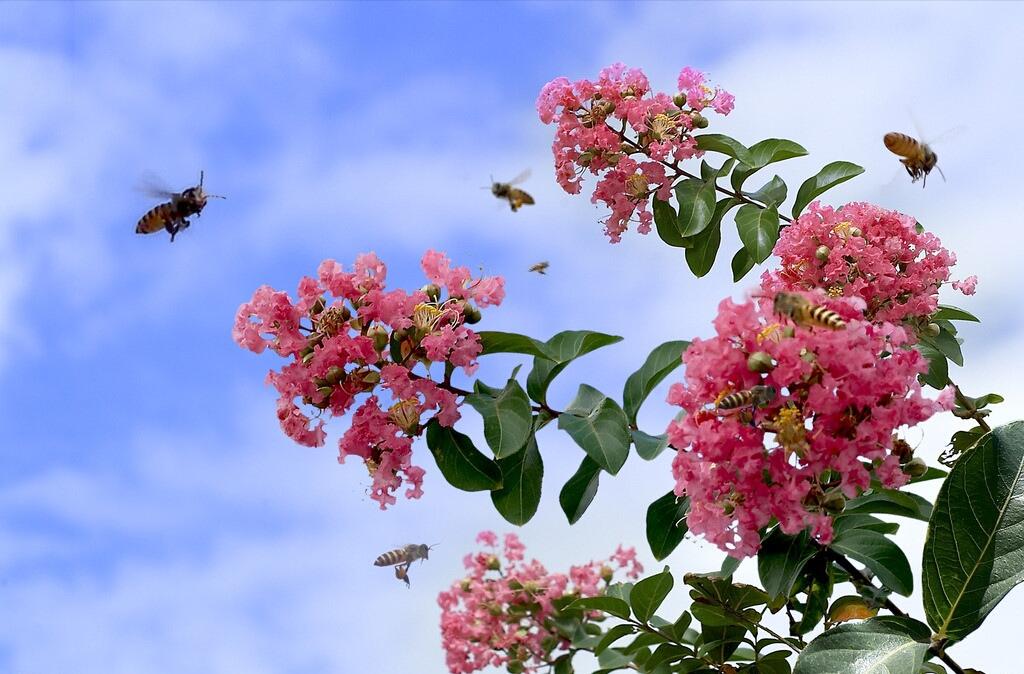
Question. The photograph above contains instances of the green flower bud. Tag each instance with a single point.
(699, 120)
(380, 337)
(822, 253)
(471, 314)
(759, 361)
(833, 503)
(334, 375)
(432, 291)
(855, 231)
(916, 467)
(679, 99)
(933, 329)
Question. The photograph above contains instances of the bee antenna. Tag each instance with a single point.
(201, 176)
(940, 173)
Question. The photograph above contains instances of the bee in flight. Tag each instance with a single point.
(516, 197)
(917, 157)
(755, 396)
(403, 557)
(540, 267)
(173, 215)
(803, 312)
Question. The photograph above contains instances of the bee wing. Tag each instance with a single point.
(152, 185)
(948, 134)
(522, 177)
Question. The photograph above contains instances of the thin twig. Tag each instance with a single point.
(968, 405)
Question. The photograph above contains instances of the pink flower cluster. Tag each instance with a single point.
(839, 396)
(498, 614)
(865, 251)
(618, 127)
(346, 337)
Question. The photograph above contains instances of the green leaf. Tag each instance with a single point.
(610, 605)
(666, 653)
(580, 490)
(507, 415)
(938, 369)
(763, 153)
(946, 344)
(886, 645)
(649, 593)
(974, 550)
(666, 221)
(848, 522)
(613, 635)
(828, 177)
(659, 364)
(666, 524)
(599, 426)
(510, 342)
(562, 349)
(462, 464)
(648, 447)
(759, 230)
(709, 172)
(885, 559)
(741, 264)
(717, 142)
(718, 643)
(703, 249)
(522, 474)
(781, 559)
(891, 502)
(772, 193)
(932, 473)
(951, 313)
(696, 206)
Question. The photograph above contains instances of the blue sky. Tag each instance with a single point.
(152, 516)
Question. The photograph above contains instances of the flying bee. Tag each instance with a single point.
(404, 555)
(917, 157)
(803, 312)
(516, 197)
(755, 396)
(173, 215)
(540, 267)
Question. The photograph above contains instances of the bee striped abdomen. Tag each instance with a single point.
(392, 557)
(826, 318)
(901, 144)
(735, 400)
(155, 219)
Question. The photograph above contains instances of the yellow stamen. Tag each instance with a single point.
(835, 290)
(636, 186)
(425, 316)
(772, 332)
(842, 230)
(790, 431)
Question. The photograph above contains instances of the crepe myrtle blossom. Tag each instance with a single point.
(868, 252)
(632, 137)
(498, 614)
(348, 341)
(840, 397)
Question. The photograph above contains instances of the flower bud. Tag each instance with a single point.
(471, 314)
(325, 391)
(833, 503)
(432, 291)
(492, 563)
(822, 253)
(855, 231)
(406, 415)
(699, 120)
(372, 377)
(379, 335)
(585, 158)
(916, 467)
(306, 355)
(679, 99)
(515, 585)
(318, 306)
(789, 331)
(607, 573)
(466, 584)
(932, 329)
(334, 375)
(759, 361)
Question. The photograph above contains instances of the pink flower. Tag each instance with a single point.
(834, 401)
(622, 132)
(500, 613)
(967, 286)
(866, 252)
(349, 340)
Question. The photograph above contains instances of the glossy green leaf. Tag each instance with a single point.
(891, 502)
(460, 462)
(886, 645)
(742, 263)
(510, 342)
(703, 249)
(772, 193)
(709, 172)
(717, 142)
(719, 643)
(974, 550)
(759, 230)
(763, 153)
(666, 221)
(659, 364)
(610, 605)
(696, 206)
(666, 524)
(648, 447)
(946, 344)
(507, 415)
(938, 369)
(613, 635)
(649, 593)
(881, 555)
(522, 475)
(781, 559)
(828, 177)
(562, 349)
(664, 654)
(951, 313)
(580, 490)
(599, 426)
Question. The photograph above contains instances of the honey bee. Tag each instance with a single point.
(755, 396)
(803, 312)
(516, 197)
(918, 157)
(403, 557)
(173, 215)
(540, 267)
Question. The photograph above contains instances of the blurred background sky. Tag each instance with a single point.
(153, 518)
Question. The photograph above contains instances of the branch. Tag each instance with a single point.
(969, 406)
